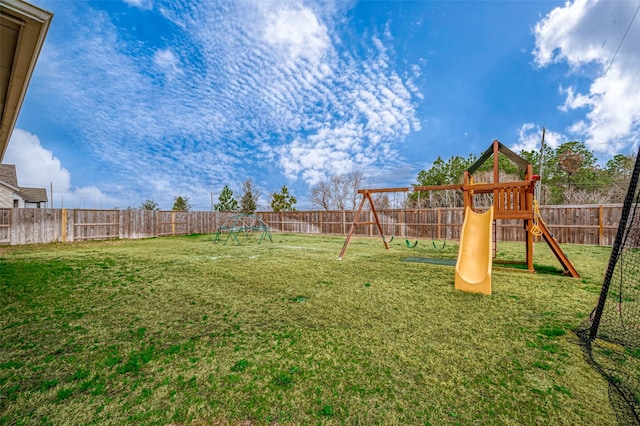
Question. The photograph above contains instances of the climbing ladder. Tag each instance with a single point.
(557, 251)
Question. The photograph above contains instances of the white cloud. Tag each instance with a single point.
(262, 89)
(574, 101)
(167, 61)
(588, 32)
(35, 165)
(297, 31)
(141, 4)
(530, 137)
(38, 167)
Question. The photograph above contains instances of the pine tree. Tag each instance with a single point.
(283, 201)
(226, 201)
(149, 205)
(181, 203)
(249, 200)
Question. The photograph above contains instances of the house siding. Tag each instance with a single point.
(6, 197)
(11, 196)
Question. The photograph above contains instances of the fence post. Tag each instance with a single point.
(63, 231)
(11, 227)
(600, 226)
(344, 218)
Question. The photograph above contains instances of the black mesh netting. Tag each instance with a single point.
(611, 334)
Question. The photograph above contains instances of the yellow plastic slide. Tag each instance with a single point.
(473, 268)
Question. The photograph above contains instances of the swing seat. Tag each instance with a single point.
(435, 246)
(409, 245)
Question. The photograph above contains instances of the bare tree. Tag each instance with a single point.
(573, 195)
(355, 181)
(383, 201)
(339, 192)
(320, 196)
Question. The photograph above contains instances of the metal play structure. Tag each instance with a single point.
(245, 225)
(510, 200)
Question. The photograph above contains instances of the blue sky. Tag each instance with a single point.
(150, 99)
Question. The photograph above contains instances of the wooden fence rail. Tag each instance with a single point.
(583, 224)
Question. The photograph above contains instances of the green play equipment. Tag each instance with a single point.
(245, 225)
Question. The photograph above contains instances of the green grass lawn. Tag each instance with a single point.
(188, 331)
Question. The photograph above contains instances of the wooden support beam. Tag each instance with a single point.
(557, 251)
(529, 249)
(488, 187)
(353, 226)
(509, 215)
(416, 188)
(366, 196)
(381, 190)
(496, 162)
(437, 187)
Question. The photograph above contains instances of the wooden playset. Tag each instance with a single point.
(511, 200)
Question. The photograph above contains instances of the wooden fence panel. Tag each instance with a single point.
(313, 222)
(590, 224)
(135, 224)
(173, 222)
(510, 230)
(281, 221)
(610, 218)
(146, 224)
(164, 224)
(581, 224)
(273, 220)
(334, 223)
(32, 226)
(95, 224)
(5, 226)
(181, 222)
(126, 224)
(201, 223)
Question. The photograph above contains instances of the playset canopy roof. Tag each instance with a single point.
(519, 161)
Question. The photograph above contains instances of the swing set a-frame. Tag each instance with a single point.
(511, 200)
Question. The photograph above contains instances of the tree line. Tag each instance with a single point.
(248, 204)
(570, 174)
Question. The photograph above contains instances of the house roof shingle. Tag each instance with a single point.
(34, 195)
(8, 174)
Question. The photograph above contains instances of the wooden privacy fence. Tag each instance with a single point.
(35, 226)
(583, 224)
